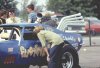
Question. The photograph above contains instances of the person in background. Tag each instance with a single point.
(3, 16)
(39, 18)
(12, 17)
(32, 16)
(45, 37)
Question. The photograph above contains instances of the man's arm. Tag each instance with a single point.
(29, 18)
(46, 50)
(42, 39)
(43, 42)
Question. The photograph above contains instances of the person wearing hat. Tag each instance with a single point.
(39, 18)
(54, 55)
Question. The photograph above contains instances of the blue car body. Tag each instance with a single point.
(10, 49)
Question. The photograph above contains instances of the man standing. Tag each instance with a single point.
(54, 56)
(32, 15)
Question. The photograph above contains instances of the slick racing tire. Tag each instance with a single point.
(70, 57)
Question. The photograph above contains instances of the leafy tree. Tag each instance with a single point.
(97, 9)
(72, 6)
(7, 4)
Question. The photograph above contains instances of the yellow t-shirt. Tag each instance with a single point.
(50, 37)
(12, 20)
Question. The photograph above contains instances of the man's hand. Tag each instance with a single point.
(48, 58)
(46, 50)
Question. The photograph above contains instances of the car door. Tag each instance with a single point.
(9, 47)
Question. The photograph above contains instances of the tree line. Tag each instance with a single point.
(7, 4)
(67, 7)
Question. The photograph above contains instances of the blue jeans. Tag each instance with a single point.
(55, 56)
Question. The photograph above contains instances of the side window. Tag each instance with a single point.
(30, 36)
(5, 34)
(9, 34)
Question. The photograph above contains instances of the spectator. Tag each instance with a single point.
(32, 14)
(12, 18)
(3, 16)
(39, 18)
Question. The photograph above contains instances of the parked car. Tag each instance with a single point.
(20, 47)
(94, 26)
(91, 18)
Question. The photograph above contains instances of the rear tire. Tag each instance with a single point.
(70, 57)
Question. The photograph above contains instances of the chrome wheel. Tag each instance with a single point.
(67, 60)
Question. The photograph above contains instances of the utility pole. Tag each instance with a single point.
(90, 34)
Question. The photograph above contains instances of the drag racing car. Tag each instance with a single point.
(20, 46)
